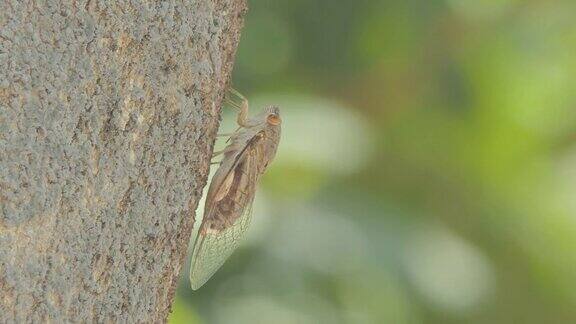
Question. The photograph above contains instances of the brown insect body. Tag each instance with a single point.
(231, 192)
(245, 160)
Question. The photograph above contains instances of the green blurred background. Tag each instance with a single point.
(426, 171)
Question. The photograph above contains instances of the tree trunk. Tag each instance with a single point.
(108, 115)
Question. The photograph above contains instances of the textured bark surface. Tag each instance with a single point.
(108, 114)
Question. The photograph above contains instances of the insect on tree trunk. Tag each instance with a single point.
(108, 115)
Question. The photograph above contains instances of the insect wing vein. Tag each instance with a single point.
(212, 248)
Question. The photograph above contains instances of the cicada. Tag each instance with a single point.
(228, 207)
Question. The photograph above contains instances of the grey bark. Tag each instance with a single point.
(108, 114)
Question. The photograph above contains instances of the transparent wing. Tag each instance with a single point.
(213, 247)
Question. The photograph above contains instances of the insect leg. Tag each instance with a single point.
(233, 103)
(237, 94)
(242, 118)
(215, 154)
(230, 138)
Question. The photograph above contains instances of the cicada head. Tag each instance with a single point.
(273, 116)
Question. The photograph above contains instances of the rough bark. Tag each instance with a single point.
(108, 114)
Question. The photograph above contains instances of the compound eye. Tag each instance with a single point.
(273, 119)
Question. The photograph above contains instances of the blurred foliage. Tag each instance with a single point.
(427, 167)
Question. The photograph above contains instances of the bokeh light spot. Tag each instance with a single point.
(449, 272)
